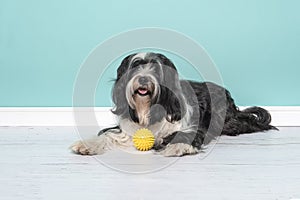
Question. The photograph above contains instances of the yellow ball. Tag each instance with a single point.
(143, 139)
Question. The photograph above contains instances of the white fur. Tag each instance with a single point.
(141, 55)
(101, 144)
(178, 149)
(129, 92)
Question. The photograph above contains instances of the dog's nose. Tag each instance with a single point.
(143, 80)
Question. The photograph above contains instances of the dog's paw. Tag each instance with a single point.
(89, 147)
(178, 149)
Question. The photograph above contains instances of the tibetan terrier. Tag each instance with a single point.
(183, 115)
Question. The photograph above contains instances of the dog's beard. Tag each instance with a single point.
(142, 107)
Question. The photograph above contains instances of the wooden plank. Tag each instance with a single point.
(35, 163)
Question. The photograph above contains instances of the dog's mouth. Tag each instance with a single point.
(143, 91)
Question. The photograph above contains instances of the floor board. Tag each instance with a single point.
(35, 163)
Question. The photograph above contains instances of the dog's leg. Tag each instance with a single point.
(101, 144)
(182, 143)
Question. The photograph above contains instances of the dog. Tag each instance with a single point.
(183, 115)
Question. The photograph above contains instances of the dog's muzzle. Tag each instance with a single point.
(144, 86)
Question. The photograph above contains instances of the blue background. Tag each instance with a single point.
(255, 45)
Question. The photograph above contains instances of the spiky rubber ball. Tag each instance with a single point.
(143, 139)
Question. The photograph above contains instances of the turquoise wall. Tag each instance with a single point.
(255, 45)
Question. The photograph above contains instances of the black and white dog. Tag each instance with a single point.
(183, 115)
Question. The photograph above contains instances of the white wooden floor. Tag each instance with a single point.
(35, 163)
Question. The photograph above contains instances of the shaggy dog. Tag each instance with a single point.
(183, 115)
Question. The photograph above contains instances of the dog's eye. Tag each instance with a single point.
(136, 63)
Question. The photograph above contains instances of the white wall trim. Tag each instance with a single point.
(63, 116)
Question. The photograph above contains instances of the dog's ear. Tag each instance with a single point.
(171, 79)
(118, 93)
(119, 98)
(173, 103)
(171, 96)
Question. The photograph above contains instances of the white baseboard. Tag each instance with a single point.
(63, 116)
(53, 116)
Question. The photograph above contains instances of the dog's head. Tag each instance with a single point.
(147, 89)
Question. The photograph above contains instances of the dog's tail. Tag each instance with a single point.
(253, 119)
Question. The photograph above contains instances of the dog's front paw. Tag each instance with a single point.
(178, 149)
(90, 147)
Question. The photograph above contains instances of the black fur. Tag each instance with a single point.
(208, 103)
(117, 128)
(253, 119)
